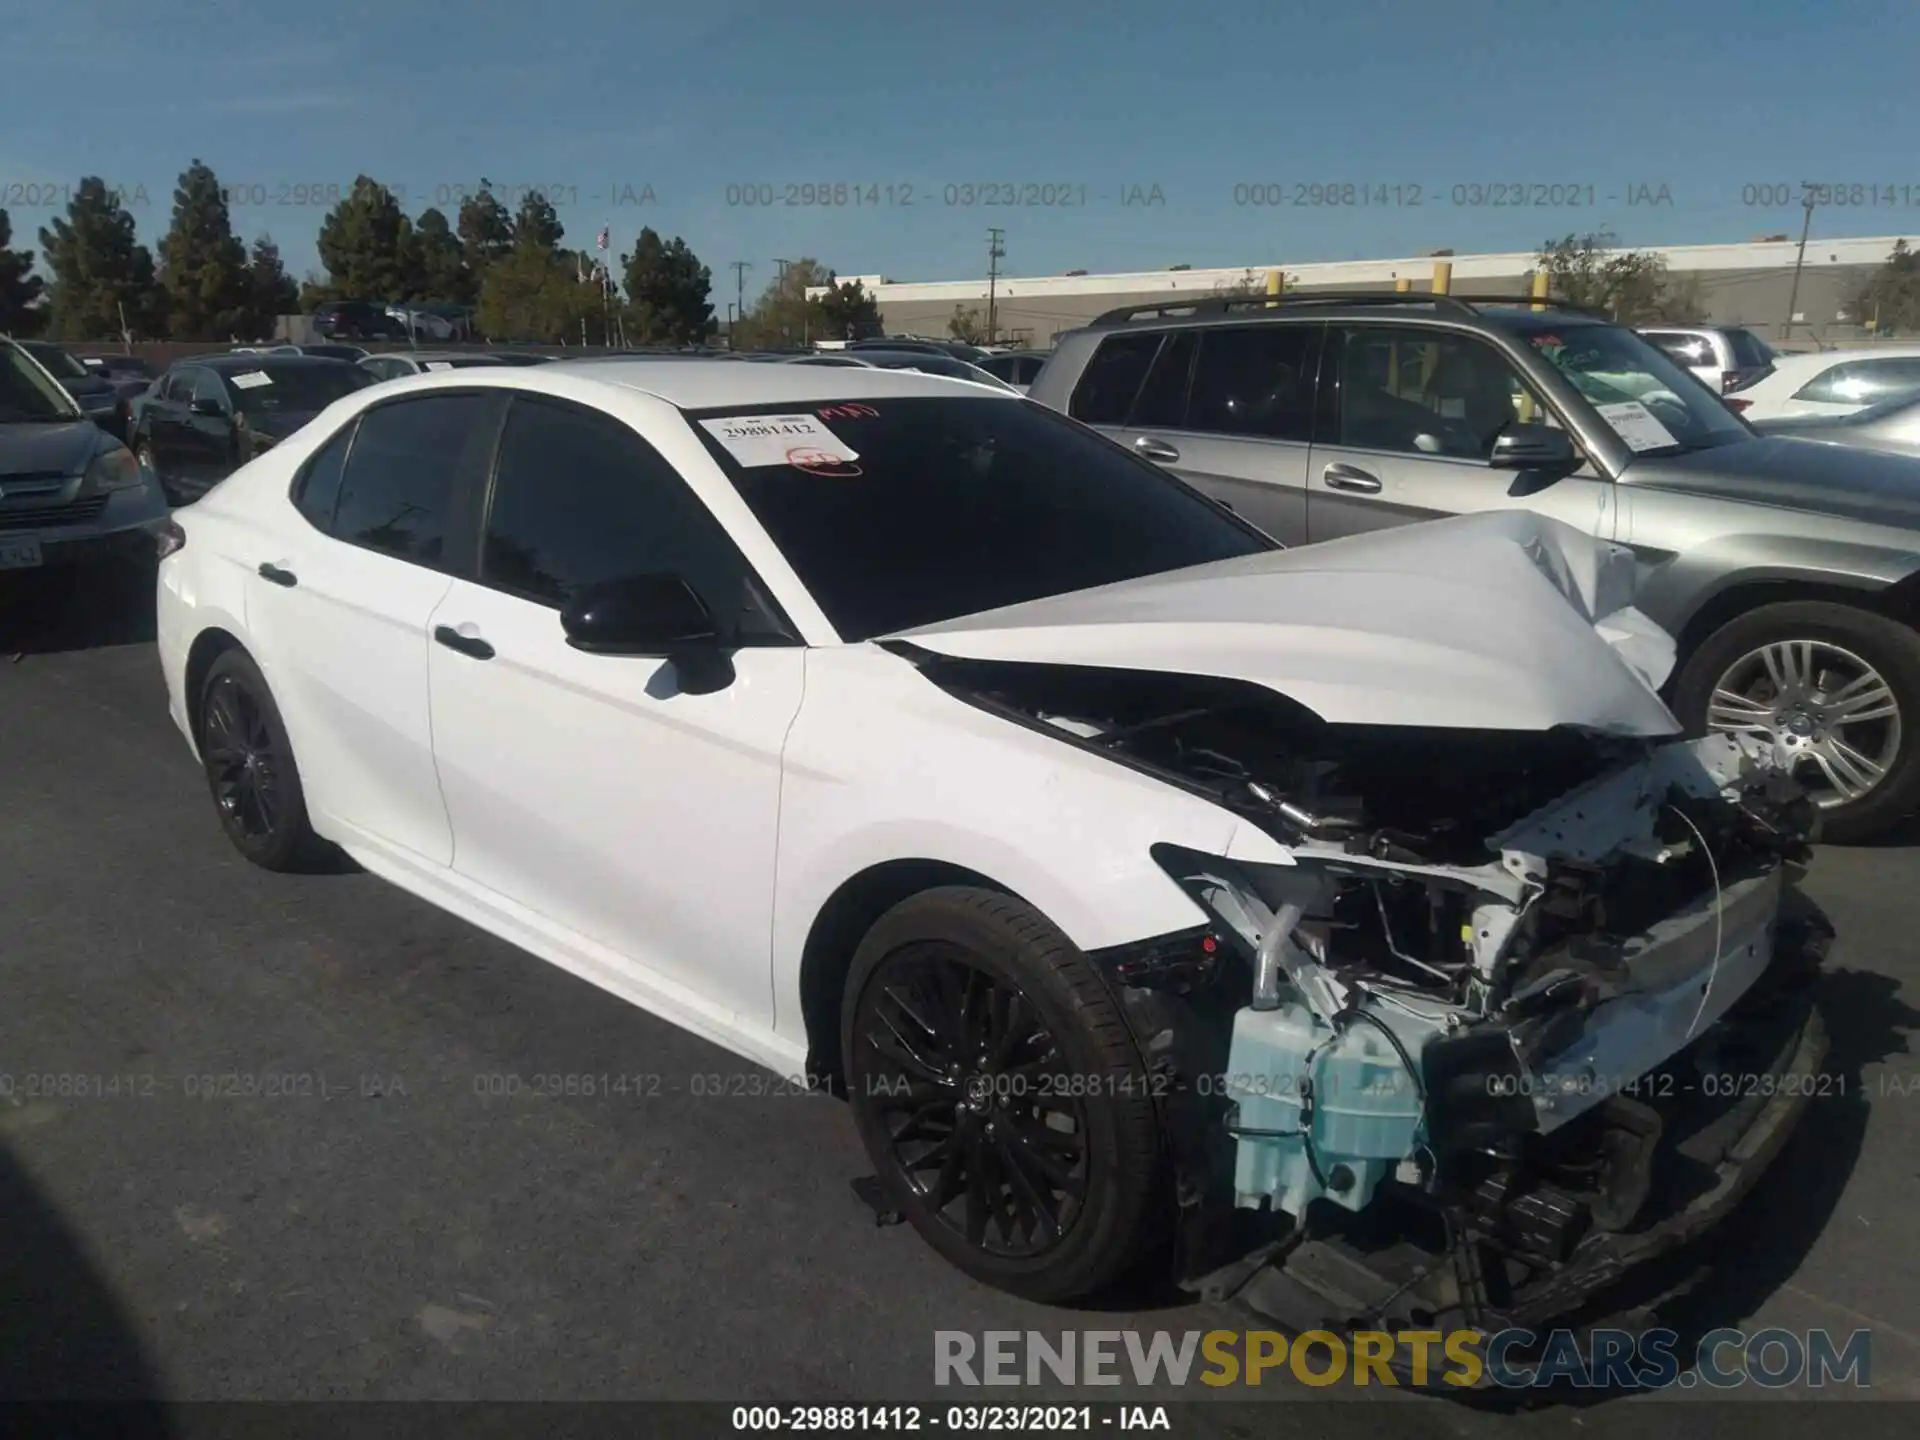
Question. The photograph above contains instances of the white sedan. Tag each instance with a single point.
(1828, 382)
(898, 734)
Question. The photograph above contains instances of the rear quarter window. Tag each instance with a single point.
(1112, 379)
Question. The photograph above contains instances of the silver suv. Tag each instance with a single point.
(1723, 359)
(1788, 571)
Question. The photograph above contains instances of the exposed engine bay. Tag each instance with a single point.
(1446, 1062)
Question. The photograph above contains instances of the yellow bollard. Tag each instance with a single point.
(1541, 281)
(1442, 276)
(1276, 282)
(1403, 285)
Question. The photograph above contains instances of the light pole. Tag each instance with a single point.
(1806, 225)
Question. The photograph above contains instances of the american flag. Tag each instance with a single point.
(605, 238)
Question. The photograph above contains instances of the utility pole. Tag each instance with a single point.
(996, 252)
(1793, 295)
(740, 268)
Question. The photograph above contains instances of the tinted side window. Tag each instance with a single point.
(1162, 403)
(580, 499)
(399, 480)
(1256, 380)
(317, 489)
(1105, 393)
(1863, 382)
(207, 386)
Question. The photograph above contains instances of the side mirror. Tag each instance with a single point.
(205, 407)
(653, 614)
(1530, 446)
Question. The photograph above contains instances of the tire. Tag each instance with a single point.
(268, 826)
(1838, 639)
(1058, 1122)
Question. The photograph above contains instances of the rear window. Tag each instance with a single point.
(1863, 382)
(1105, 392)
(950, 506)
(1749, 351)
(294, 389)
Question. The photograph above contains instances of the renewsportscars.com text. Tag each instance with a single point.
(1466, 1359)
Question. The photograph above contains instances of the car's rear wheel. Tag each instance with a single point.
(999, 1093)
(1837, 688)
(250, 768)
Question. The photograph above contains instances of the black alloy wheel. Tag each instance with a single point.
(970, 1082)
(250, 767)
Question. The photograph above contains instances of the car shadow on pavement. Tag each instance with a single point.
(63, 1336)
(1764, 1243)
(50, 611)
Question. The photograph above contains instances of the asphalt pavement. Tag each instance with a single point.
(390, 1210)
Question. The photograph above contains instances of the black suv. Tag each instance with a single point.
(356, 320)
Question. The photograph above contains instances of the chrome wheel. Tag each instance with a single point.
(981, 1119)
(1831, 714)
(241, 759)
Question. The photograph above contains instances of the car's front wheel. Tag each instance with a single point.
(250, 768)
(1836, 688)
(1000, 1095)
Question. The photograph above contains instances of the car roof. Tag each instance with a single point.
(478, 357)
(1808, 359)
(226, 361)
(697, 384)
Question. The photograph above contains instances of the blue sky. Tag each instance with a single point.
(601, 101)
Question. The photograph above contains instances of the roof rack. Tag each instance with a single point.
(1226, 304)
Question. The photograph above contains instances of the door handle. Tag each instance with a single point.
(278, 576)
(1351, 478)
(469, 645)
(1156, 450)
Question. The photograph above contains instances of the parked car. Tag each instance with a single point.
(1829, 382)
(1016, 367)
(1721, 358)
(349, 353)
(928, 362)
(1789, 572)
(356, 320)
(958, 349)
(920, 744)
(129, 369)
(98, 396)
(1892, 425)
(394, 364)
(70, 492)
(518, 357)
(421, 324)
(208, 416)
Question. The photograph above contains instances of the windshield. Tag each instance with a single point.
(951, 506)
(1656, 406)
(270, 389)
(27, 396)
(59, 363)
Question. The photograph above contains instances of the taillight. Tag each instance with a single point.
(1735, 404)
(169, 539)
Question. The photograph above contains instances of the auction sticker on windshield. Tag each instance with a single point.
(757, 440)
(251, 380)
(1636, 425)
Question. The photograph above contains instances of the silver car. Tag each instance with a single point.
(1788, 572)
(1892, 425)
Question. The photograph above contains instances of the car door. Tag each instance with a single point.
(339, 607)
(160, 419)
(1407, 419)
(1230, 411)
(205, 441)
(590, 789)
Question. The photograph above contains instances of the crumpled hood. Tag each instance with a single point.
(1501, 621)
(54, 449)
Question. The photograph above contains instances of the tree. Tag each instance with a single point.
(668, 292)
(315, 292)
(271, 291)
(1250, 282)
(20, 288)
(1889, 298)
(100, 272)
(537, 224)
(485, 228)
(439, 265)
(783, 315)
(1630, 286)
(366, 243)
(535, 294)
(203, 268)
(848, 312)
(968, 324)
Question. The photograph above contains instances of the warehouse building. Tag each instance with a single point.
(1749, 284)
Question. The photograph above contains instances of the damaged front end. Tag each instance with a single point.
(1517, 1013)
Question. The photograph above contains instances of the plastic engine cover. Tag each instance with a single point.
(1366, 1109)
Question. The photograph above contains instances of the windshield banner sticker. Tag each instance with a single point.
(757, 440)
(1636, 425)
(250, 380)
